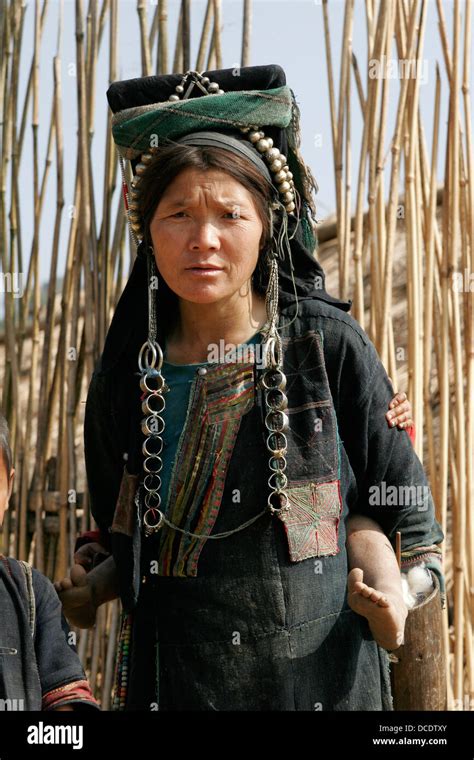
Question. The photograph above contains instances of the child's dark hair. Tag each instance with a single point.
(5, 444)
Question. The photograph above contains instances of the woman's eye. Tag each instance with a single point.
(230, 214)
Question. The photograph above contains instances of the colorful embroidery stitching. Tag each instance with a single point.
(219, 400)
(124, 511)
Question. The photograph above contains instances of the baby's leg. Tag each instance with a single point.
(384, 611)
(374, 587)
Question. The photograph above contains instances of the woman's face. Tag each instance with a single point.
(206, 233)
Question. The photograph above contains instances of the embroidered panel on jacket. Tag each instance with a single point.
(218, 400)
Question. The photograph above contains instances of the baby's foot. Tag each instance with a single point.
(386, 612)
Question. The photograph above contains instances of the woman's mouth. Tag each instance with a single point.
(204, 270)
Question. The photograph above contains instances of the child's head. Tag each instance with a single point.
(7, 471)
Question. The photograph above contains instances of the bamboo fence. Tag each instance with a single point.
(52, 336)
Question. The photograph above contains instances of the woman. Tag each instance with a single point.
(227, 501)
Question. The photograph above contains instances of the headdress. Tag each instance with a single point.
(251, 112)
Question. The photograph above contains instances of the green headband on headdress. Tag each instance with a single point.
(142, 128)
(137, 129)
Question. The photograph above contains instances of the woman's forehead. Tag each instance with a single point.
(208, 177)
(221, 186)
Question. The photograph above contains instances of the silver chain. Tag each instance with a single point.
(152, 383)
(152, 275)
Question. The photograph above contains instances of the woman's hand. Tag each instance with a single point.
(400, 411)
(83, 592)
(77, 597)
(90, 555)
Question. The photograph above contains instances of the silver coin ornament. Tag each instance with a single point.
(276, 422)
(153, 385)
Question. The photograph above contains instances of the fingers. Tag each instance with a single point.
(78, 575)
(63, 585)
(397, 399)
(404, 420)
(400, 411)
(85, 555)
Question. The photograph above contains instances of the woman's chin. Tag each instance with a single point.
(203, 293)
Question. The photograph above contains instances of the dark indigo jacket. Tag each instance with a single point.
(43, 670)
(252, 629)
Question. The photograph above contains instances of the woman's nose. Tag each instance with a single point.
(204, 235)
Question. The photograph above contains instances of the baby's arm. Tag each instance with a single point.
(62, 677)
(374, 581)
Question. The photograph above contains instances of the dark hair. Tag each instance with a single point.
(175, 158)
(5, 444)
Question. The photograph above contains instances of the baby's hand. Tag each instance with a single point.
(386, 612)
(400, 411)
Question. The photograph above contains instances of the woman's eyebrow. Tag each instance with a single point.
(224, 202)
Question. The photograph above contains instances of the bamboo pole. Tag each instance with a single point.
(178, 48)
(376, 169)
(8, 90)
(39, 469)
(145, 47)
(39, 549)
(186, 33)
(393, 192)
(469, 325)
(345, 70)
(110, 170)
(246, 33)
(162, 57)
(153, 31)
(216, 37)
(428, 304)
(459, 518)
(206, 28)
(347, 193)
